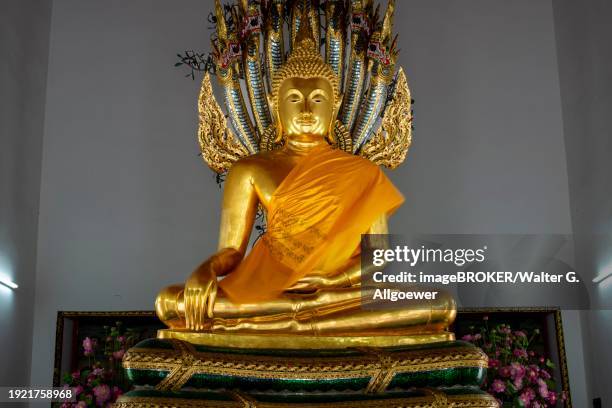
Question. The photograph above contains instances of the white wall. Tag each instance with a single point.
(126, 200)
(488, 153)
(24, 42)
(127, 205)
(583, 33)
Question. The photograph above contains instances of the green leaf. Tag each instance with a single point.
(178, 64)
(549, 363)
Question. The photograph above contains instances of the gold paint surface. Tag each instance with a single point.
(283, 341)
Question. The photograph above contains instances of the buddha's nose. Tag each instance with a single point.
(306, 108)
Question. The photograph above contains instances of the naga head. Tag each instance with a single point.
(305, 96)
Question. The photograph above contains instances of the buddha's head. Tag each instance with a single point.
(305, 92)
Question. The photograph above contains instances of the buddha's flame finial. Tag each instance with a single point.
(304, 40)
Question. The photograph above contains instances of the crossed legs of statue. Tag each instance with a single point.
(342, 310)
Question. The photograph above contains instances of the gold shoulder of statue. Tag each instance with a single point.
(390, 144)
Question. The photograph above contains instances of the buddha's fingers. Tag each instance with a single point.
(188, 308)
(198, 309)
(194, 308)
(212, 296)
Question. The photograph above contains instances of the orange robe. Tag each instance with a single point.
(314, 223)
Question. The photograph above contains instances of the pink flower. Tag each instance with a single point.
(542, 388)
(477, 336)
(77, 390)
(532, 374)
(527, 396)
(76, 375)
(485, 317)
(118, 355)
(97, 371)
(121, 339)
(520, 333)
(498, 386)
(88, 346)
(537, 404)
(517, 370)
(467, 337)
(494, 363)
(102, 393)
(520, 353)
(518, 383)
(81, 404)
(505, 371)
(552, 398)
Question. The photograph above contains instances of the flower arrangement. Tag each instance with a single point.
(517, 376)
(102, 379)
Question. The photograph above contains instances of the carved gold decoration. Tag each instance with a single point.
(390, 144)
(218, 146)
(381, 366)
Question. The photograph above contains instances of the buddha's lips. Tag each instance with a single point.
(306, 121)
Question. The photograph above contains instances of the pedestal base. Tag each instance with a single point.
(173, 365)
(462, 397)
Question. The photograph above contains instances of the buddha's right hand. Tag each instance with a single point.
(201, 287)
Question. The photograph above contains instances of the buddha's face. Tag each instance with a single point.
(305, 106)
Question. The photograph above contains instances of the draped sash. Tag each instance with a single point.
(314, 223)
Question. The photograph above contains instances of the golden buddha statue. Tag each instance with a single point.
(288, 322)
(309, 160)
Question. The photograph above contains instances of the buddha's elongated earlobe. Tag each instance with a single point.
(331, 134)
(279, 131)
(278, 128)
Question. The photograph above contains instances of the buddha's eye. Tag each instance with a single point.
(293, 98)
(318, 98)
